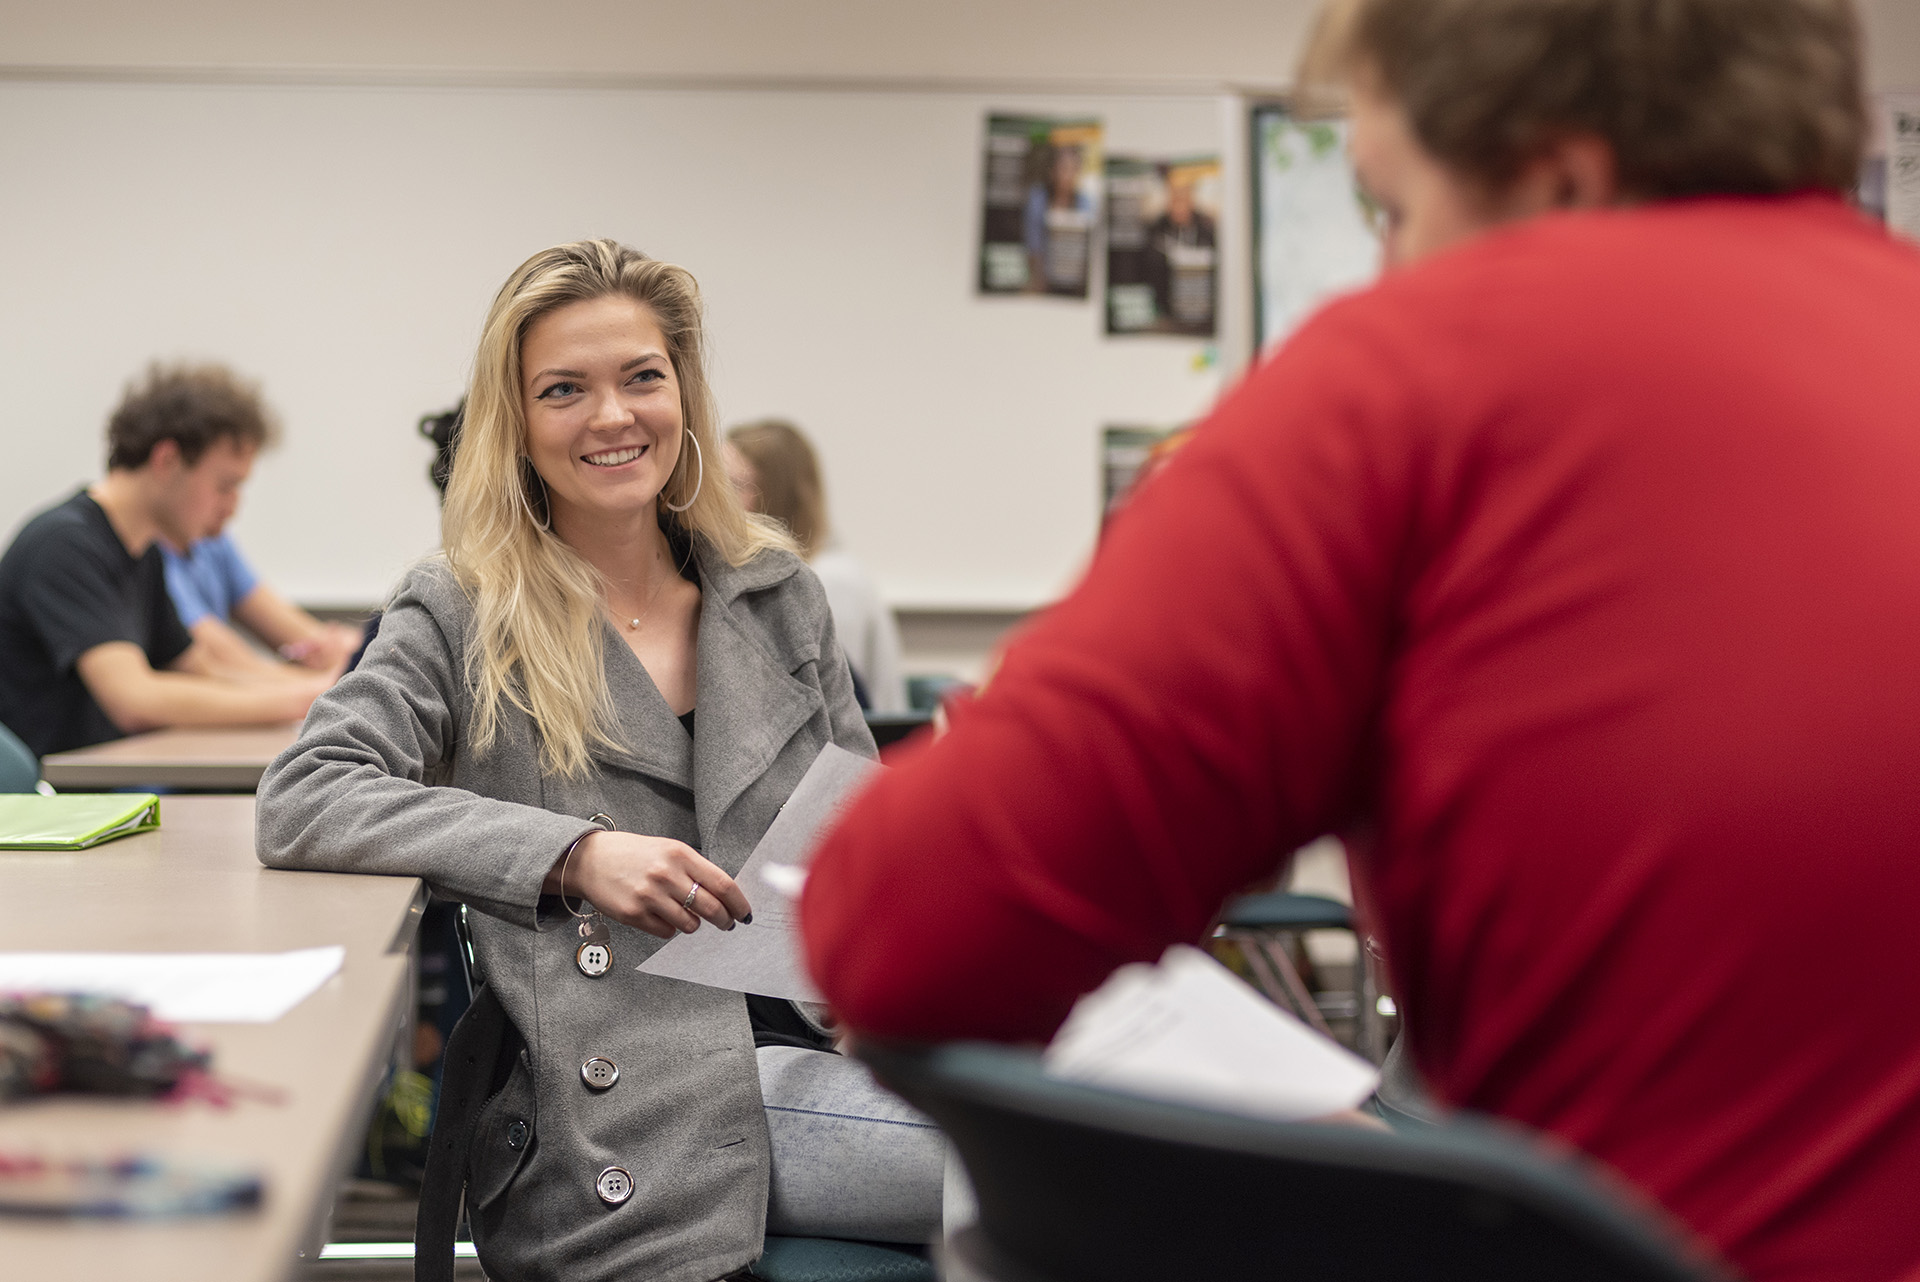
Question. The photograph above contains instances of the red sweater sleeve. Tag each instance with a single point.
(1193, 712)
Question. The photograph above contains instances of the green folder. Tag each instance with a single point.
(74, 821)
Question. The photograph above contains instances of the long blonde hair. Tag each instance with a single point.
(537, 641)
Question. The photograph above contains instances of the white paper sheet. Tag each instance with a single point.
(764, 957)
(1188, 1030)
(198, 988)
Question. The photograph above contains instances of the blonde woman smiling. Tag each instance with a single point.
(577, 723)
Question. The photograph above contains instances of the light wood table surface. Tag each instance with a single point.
(195, 886)
(230, 760)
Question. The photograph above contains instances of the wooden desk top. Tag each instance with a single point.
(228, 760)
(195, 886)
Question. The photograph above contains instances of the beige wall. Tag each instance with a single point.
(1893, 43)
(339, 243)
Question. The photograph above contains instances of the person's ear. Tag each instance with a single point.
(1574, 171)
(164, 456)
(1588, 174)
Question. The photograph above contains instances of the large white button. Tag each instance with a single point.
(599, 1072)
(614, 1185)
(594, 959)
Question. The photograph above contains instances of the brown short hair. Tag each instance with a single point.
(191, 405)
(789, 475)
(1696, 97)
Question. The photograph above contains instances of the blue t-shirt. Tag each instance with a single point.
(210, 579)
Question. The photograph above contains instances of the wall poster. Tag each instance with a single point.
(1163, 269)
(1042, 192)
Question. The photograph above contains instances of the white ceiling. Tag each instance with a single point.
(1210, 41)
(1065, 43)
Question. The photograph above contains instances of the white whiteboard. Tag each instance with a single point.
(1310, 233)
(340, 243)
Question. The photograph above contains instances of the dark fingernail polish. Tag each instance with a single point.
(747, 920)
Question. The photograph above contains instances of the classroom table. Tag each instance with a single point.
(195, 886)
(200, 760)
(889, 728)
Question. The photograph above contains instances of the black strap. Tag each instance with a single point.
(480, 1042)
(776, 1023)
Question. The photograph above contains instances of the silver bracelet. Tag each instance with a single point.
(606, 825)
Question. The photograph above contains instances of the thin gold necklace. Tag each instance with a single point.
(633, 624)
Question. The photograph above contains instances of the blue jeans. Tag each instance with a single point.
(850, 1158)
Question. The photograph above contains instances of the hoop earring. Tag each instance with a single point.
(545, 527)
(699, 477)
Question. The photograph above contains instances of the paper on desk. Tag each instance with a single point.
(764, 958)
(1188, 1030)
(196, 988)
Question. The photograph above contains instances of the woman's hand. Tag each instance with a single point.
(643, 881)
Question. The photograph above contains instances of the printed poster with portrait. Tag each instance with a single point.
(1163, 265)
(1042, 198)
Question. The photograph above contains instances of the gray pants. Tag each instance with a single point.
(850, 1158)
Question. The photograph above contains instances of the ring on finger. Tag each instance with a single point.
(687, 903)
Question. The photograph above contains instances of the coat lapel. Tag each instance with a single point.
(750, 704)
(653, 741)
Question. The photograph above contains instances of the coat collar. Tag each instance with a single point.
(748, 703)
(720, 579)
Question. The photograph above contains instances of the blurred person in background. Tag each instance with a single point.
(1572, 574)
(212, 585)
(91, 646)
(775, 471)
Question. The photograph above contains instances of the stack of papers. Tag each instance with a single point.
(198, 988)
(1189, 1031)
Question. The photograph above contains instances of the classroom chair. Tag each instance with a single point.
(19, 768)
(1081, 1184)
(1265, 927)
(924, 692)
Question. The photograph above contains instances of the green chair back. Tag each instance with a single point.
(19, 768)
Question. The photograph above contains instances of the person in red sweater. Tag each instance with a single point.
(1573, 573)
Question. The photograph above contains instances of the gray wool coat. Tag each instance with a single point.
(382, 781)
